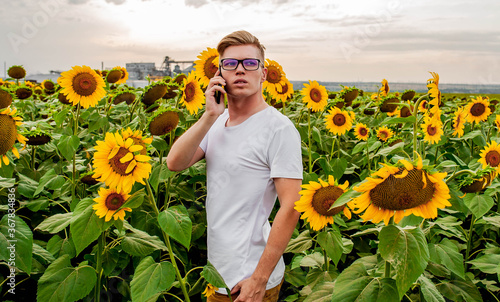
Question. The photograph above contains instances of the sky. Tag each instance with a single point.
(334, 41)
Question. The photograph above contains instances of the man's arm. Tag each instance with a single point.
(254, 288)
(186, 151)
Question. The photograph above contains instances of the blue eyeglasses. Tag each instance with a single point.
(232, 64)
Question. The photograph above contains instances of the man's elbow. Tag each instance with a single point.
(173, 165)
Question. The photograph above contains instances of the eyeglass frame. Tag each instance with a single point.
(241, 61)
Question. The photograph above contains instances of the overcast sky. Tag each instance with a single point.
(355, 40)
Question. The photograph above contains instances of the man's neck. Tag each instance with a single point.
(242, 108)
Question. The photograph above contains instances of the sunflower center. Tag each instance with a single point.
(339, 119)
(284, 89)
(84, 84)
(190, 92)
(273, 75)
(477, 109)
(315, 95)
(431, 130)
(210, 68)
(324, 198)
(457, 123)
(114, 201)
(8, 133)
(383, 134)
(493, 158)
(117, 166)
(363, 131)
(164, 123)
(396, 194)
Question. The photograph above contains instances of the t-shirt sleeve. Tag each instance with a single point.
(204, 143)
(285, 154)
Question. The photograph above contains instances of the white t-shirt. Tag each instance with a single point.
(242, 161)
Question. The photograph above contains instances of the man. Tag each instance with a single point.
(253, 155)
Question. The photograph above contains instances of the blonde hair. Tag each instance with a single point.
(241, 37)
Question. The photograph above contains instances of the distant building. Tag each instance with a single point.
(139, 71)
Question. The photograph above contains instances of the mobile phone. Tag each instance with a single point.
(217, 92)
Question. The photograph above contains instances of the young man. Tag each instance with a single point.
(253, 155)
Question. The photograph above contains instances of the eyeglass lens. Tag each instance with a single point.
(248, 64)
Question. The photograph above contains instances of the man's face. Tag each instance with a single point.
(241, 83)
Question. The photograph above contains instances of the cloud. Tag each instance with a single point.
(195, 3)
(78, 1)
(117, 2)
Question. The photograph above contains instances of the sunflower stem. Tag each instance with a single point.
(469, 240)
(415, 124)
(327, 263)
(387, 273)
(309, 140)
(33, 157)
(75, 132)
(454, 175)
(100, 244)
(169, 246)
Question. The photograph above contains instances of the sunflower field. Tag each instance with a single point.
(399, 199)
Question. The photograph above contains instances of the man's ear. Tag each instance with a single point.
(264, 75)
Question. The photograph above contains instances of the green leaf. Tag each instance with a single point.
(27, 186)
(50, 180)
(315, 259)
(16, 237)
(487, 263)
(316, 135)
(460, 291)
(493, 220)
(159, 174)
(390, 150)
(374, 146)
(332, 243)
(60, 116)
(355, 284)
(58, 246)
(345, 198)
(176, 223)
(339, 165)
(55, 223)
(61, 282)
(429, 290)
(358, 148)
(406, 250)
(398, 120)
(212, 276)
(7, 182)
(478, 204)
(135, 200)
(140, 243)
(85, 226)
(68, 145)
(42, 253)
(322, 292)
(303, 242)
(468, 136)
(150, 278)
(447, 256)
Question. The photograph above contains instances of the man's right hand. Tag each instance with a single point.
(212, 107)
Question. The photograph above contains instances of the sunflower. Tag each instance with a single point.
(349, 94)
(275, 77)
(163, 122)
(390, 104)
(396, 112)
(124, 75)
(384, 90)
(207, 65)
(48, 84)
(108, 203)
(154, 92)
(361, 131)
(23, 92)
(422, 107)
(315, 96)
(459, 122)
(478, 181)
(114, 75)
(478, 110)
(497, 120)
(339, 121)
(118, 163)
(8, 134)
(384, 133)
(136, 136)
(398, 191)
(317, 199)
(408, 95)
(5, 98)
(192, 95)
(124, 96)
(209, 290)
(406, 111)
(16, 72)
(434, 92)
(284, 92)
(490, 156)
(82, 85)
(432, 130)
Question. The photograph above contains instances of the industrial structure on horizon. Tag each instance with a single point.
(139, 71)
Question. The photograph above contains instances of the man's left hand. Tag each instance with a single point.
(250, 290)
